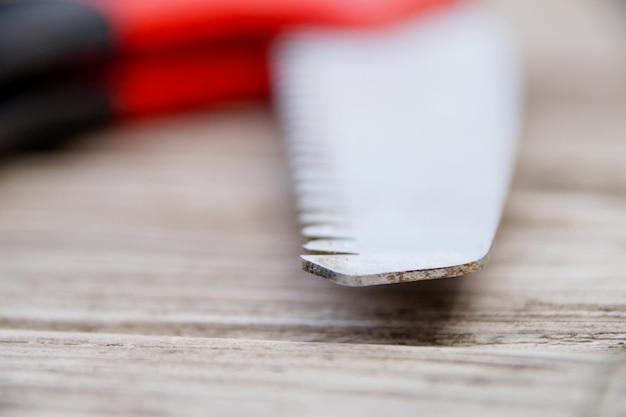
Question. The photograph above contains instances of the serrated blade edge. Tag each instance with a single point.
(402, 143)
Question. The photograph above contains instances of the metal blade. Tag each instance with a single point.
(402, 142)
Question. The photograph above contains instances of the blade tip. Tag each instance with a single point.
(330, 267)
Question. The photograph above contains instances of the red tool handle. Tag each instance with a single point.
(141, 26)
(179, 79)
(217, 48)
(156, 55)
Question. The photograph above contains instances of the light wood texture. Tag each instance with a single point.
(152, 269)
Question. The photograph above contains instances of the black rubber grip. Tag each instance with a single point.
(47, 117)
(38, 37)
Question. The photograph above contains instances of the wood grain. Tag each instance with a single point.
(157, 375)
(151, 269)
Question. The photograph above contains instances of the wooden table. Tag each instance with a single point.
(152, 269)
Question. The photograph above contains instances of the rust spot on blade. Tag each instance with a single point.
(426, 274)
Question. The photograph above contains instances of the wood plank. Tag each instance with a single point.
(152, 268)
(141, 236)
(163, 375)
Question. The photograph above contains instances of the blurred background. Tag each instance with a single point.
(151, 266)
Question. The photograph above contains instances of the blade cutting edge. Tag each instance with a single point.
(402, 142)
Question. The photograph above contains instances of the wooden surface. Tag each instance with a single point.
(152, 269)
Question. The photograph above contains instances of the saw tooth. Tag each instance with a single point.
(305, 148)
(331, 246)
(302, 175)
(315, 203)
(305, 154)
(310, 164)
(322, 210)
(322, 217)
(327, 231)
(304, 188)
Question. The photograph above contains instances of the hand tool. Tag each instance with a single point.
(402, 131)
(50, 109)
(95, 60)
(403, 143)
